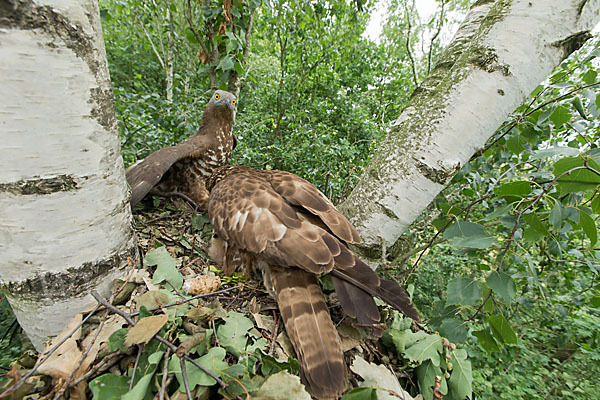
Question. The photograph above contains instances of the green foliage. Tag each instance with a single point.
(515, 279)
(525, 301)
(431, 356)
(10, 345)
(166, 269)
(109, 386)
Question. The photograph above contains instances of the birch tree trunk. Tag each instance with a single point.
(65, 220)
(500, 53)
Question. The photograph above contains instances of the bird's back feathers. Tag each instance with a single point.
(284, 222)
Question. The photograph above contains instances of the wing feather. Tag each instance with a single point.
(302, 193)
(147, 173)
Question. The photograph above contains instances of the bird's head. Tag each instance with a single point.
(223, 102)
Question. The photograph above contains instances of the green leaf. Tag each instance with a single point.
(554, 151)
(151, 299)
(138, 392)
(199, 221)
(226, 64)
(589, 227)
(502, 284)
(595, 204)
(428, 348)
(517, 190)
(166, 269)
(502, 330)
(534, 221)
(579, 107)
(270, 365)
(486, 340)
(402, 339)
(116, 341)
(590, 76)
(213, 361)
(560, 116)
(109, 386)
(468, 235)
(463, 291)
(461, 380)
(515, 144)
(233, 334)
(361, 393)
(579, 180)
(426, 373)
(556, 215)
(454, 329)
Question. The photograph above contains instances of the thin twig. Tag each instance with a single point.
(185, 380)
(163, 385)
(454, 218)
(408, 51)
(533, 203)
(274, 333)
(177, 292)
(434, 37)
(103, 365)
(135, 365)
(86, 352)
(50, 352)
(178, 303)
(159, 338)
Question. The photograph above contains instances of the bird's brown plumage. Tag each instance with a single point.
(186, 166)
(283, 224)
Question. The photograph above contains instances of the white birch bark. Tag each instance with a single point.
(501, 52)
(65, 220)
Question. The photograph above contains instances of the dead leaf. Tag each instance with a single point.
(380, 377)
(281, 385)
(284, 341)
(62, 362)
(151, 299)
(264, 322)
(145, 329)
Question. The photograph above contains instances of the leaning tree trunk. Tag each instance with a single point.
(65, 220)
(500, 53)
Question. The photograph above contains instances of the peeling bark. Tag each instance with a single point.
(65, 220)
(500, 53)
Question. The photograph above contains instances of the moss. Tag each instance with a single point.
(61, 183)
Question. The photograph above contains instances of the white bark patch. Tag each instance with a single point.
(500, 54)
(63, 197)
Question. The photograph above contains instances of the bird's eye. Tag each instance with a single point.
(234, 102)
(216, 96)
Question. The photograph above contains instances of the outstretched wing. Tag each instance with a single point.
(146, 174)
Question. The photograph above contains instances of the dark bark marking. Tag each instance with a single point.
(25, 15)
(572, 43)
(75, 281)
(61, 183)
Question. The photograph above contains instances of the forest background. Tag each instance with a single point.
(504, 262)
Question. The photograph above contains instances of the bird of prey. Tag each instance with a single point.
(282, 224)
(185, 167)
